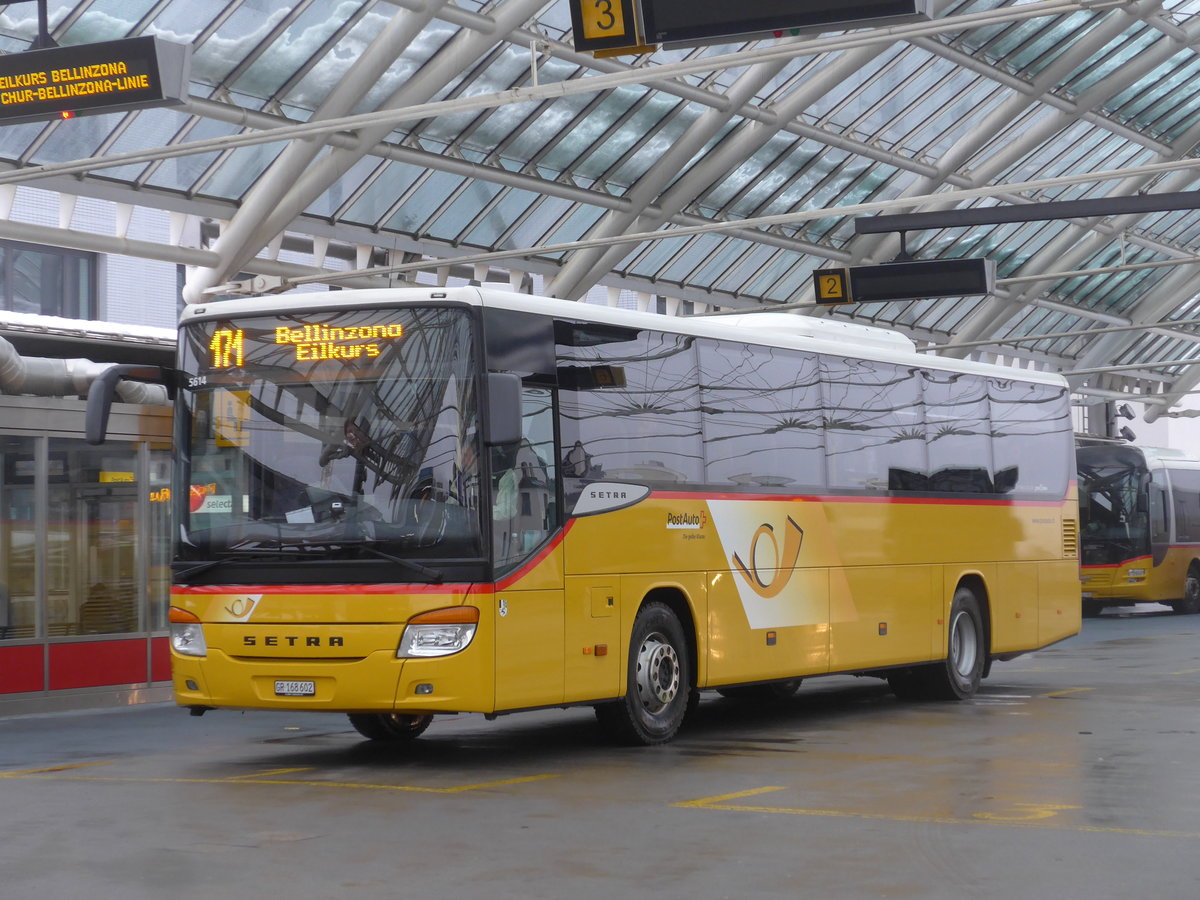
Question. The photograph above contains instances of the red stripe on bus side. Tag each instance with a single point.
(816, 498)
(1116, 565)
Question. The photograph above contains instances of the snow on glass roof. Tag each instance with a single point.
(472, 143)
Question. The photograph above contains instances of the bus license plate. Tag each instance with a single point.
(295, 689)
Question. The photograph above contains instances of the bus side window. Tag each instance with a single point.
(1160, 522)
(1185, 487)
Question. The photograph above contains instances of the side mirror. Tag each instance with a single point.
(503, 424)
(101, 391)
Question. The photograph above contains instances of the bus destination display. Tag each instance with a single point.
(92, 78)
(296, 343)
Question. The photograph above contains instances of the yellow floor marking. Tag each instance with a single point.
(63, 768)
(1063, 693)
(720, 803)
(712, 801)
(1186, 672)
(835, 756)
(242, 779)
(274, 772)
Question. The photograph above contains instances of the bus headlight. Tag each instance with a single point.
(439, 633)
(187, 634)
(1136, 574)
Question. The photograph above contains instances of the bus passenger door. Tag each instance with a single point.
(529, 590)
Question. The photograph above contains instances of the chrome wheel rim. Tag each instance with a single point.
(964, 644)
(658, 673)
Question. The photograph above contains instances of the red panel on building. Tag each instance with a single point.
(21, 669)
(160, 659)
(97, 663)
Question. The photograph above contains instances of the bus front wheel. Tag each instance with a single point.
(1190, 604)
(658, 682)
(393, 727)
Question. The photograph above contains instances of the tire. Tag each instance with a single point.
(957, 677)
(658, 681)
(1189, 605)
(392, 727)
(773, 692)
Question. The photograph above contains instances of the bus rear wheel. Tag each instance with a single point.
(394, 727)
(658, 681)
(957, 677)
(1190, 603)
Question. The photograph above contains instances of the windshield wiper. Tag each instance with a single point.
(434, 576)
(213, 563)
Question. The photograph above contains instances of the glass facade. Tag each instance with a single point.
(84, 540)
(84, 556)
(47, 281)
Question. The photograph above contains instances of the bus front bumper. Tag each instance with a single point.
(378, 682)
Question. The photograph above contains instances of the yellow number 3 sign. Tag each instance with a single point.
(603, 18)
(603, 24)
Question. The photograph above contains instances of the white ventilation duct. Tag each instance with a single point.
(46, 377)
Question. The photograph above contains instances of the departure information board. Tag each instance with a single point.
(88, 79)
(684, 22)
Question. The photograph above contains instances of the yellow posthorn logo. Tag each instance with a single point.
(241, 607)
(785, 561)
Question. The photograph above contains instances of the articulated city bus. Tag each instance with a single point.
(403, 503)
(1139, 512)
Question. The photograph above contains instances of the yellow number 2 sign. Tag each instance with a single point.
(832, 286)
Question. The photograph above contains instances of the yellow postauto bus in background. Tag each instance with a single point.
(402, 503)
(1139, 511)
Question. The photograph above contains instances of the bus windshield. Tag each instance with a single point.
(1113, 518)
(331, 430)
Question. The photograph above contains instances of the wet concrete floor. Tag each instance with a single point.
(1074, 774)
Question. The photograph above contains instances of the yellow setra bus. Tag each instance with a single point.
(1139, 512)
(396, 504)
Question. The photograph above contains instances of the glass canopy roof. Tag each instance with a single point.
(467, 139)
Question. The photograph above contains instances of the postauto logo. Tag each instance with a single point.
(686, 521)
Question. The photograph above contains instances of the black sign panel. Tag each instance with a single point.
(922, 279)
(703, 21)
(92, 78)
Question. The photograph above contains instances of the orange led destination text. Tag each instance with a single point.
(317, 342)
(73, 81)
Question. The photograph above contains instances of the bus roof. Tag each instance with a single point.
(769, 329)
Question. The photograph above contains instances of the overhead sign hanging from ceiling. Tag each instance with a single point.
(684, 23)
(604, 25)
(89, 79)
(917, 279)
